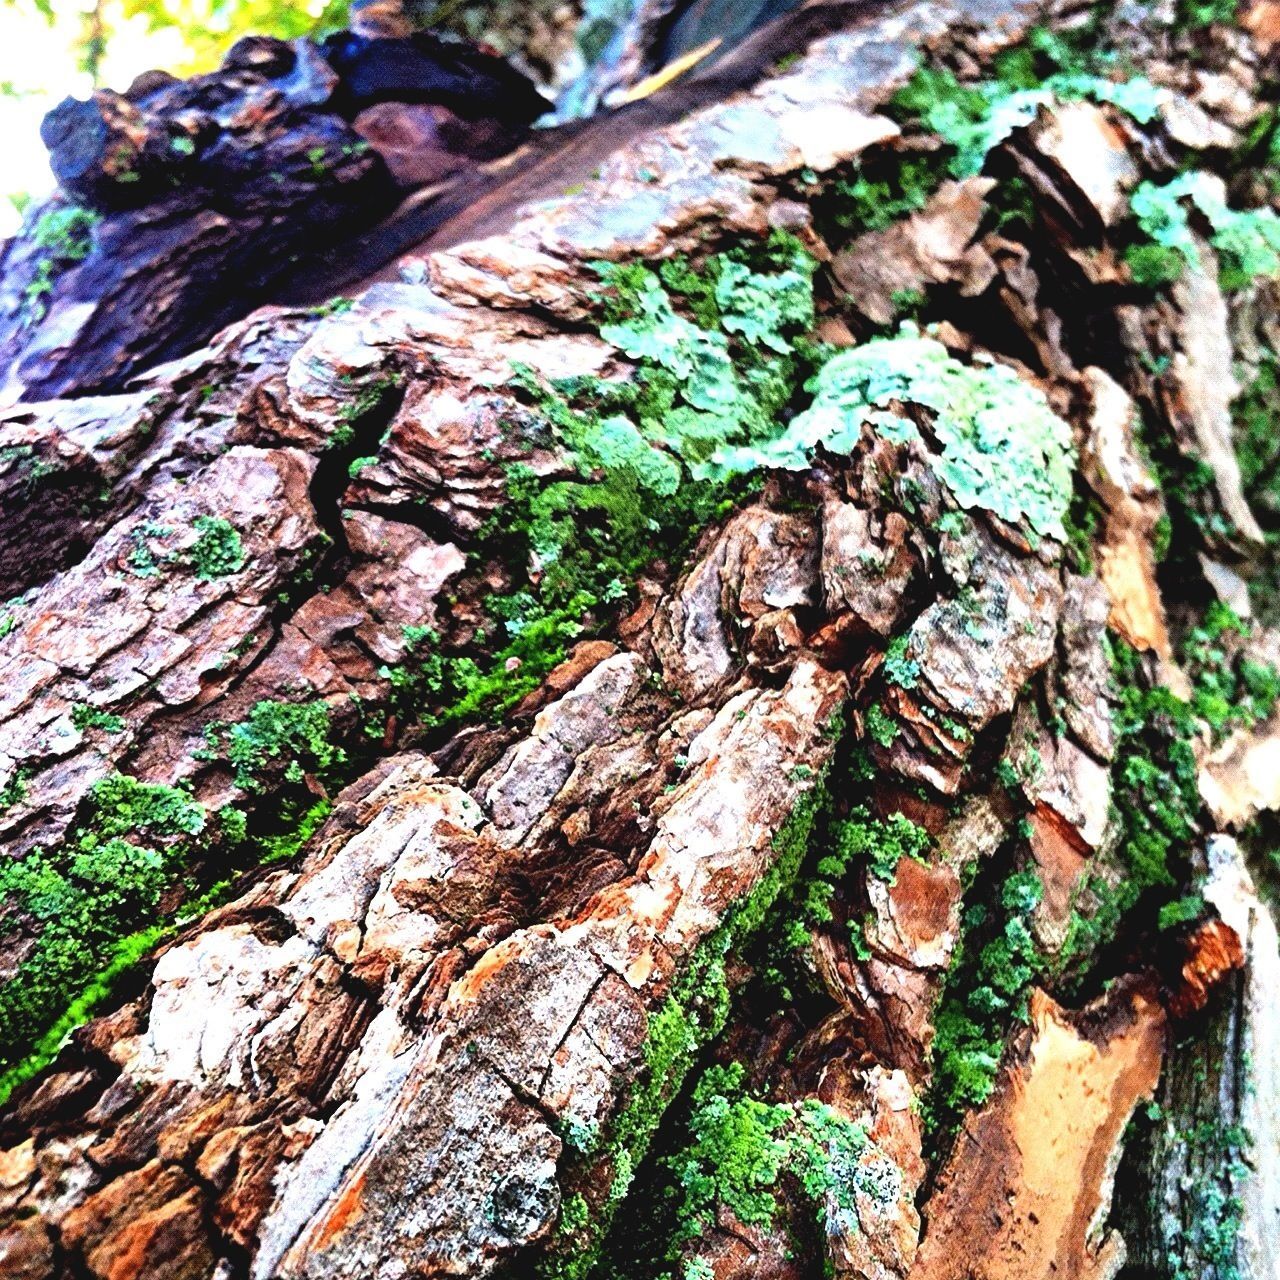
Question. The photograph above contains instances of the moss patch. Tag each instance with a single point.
(85, 897)
(690, 1018)
(985, 994)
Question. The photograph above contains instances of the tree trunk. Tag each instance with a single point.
(715, 719)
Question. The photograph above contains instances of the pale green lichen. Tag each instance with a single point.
(1248, 240)
(973, 119)
(1003, 449)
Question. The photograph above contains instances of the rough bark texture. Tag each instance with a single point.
(604, 755)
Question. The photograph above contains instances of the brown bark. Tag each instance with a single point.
(460, 1031)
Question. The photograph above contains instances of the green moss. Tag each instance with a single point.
(856, 840)
(94, 906)
(14, 791)
(218, 551)
(104, 882)
(1083, 524)
(734, 1157)
(739, 1150)
(1230, 690)
(720, 357)
(1256, 439)
(65, 235)
(881, 842)
(575, 1214)
(364, 400)
(1257, 445)
(882, 190)
(1195, 15)
(276, 740)
(67, 232)
(881, 727)
(1219, 1213)
(1181, 911)
(299, 822)
(124, 955)
(1157, 800)
(985, 994)
(692, 1015)
(334, 307)
(85, 717)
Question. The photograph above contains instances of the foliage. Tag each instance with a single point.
(202, 29)
(1002, 448)
(1247, 241)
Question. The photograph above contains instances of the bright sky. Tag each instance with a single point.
(39, 65)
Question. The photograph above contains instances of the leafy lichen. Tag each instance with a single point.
(1002, 448)
(718, 355)
(973, 119)
(1247, 240)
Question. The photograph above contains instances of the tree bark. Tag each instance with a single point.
(717, 719)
